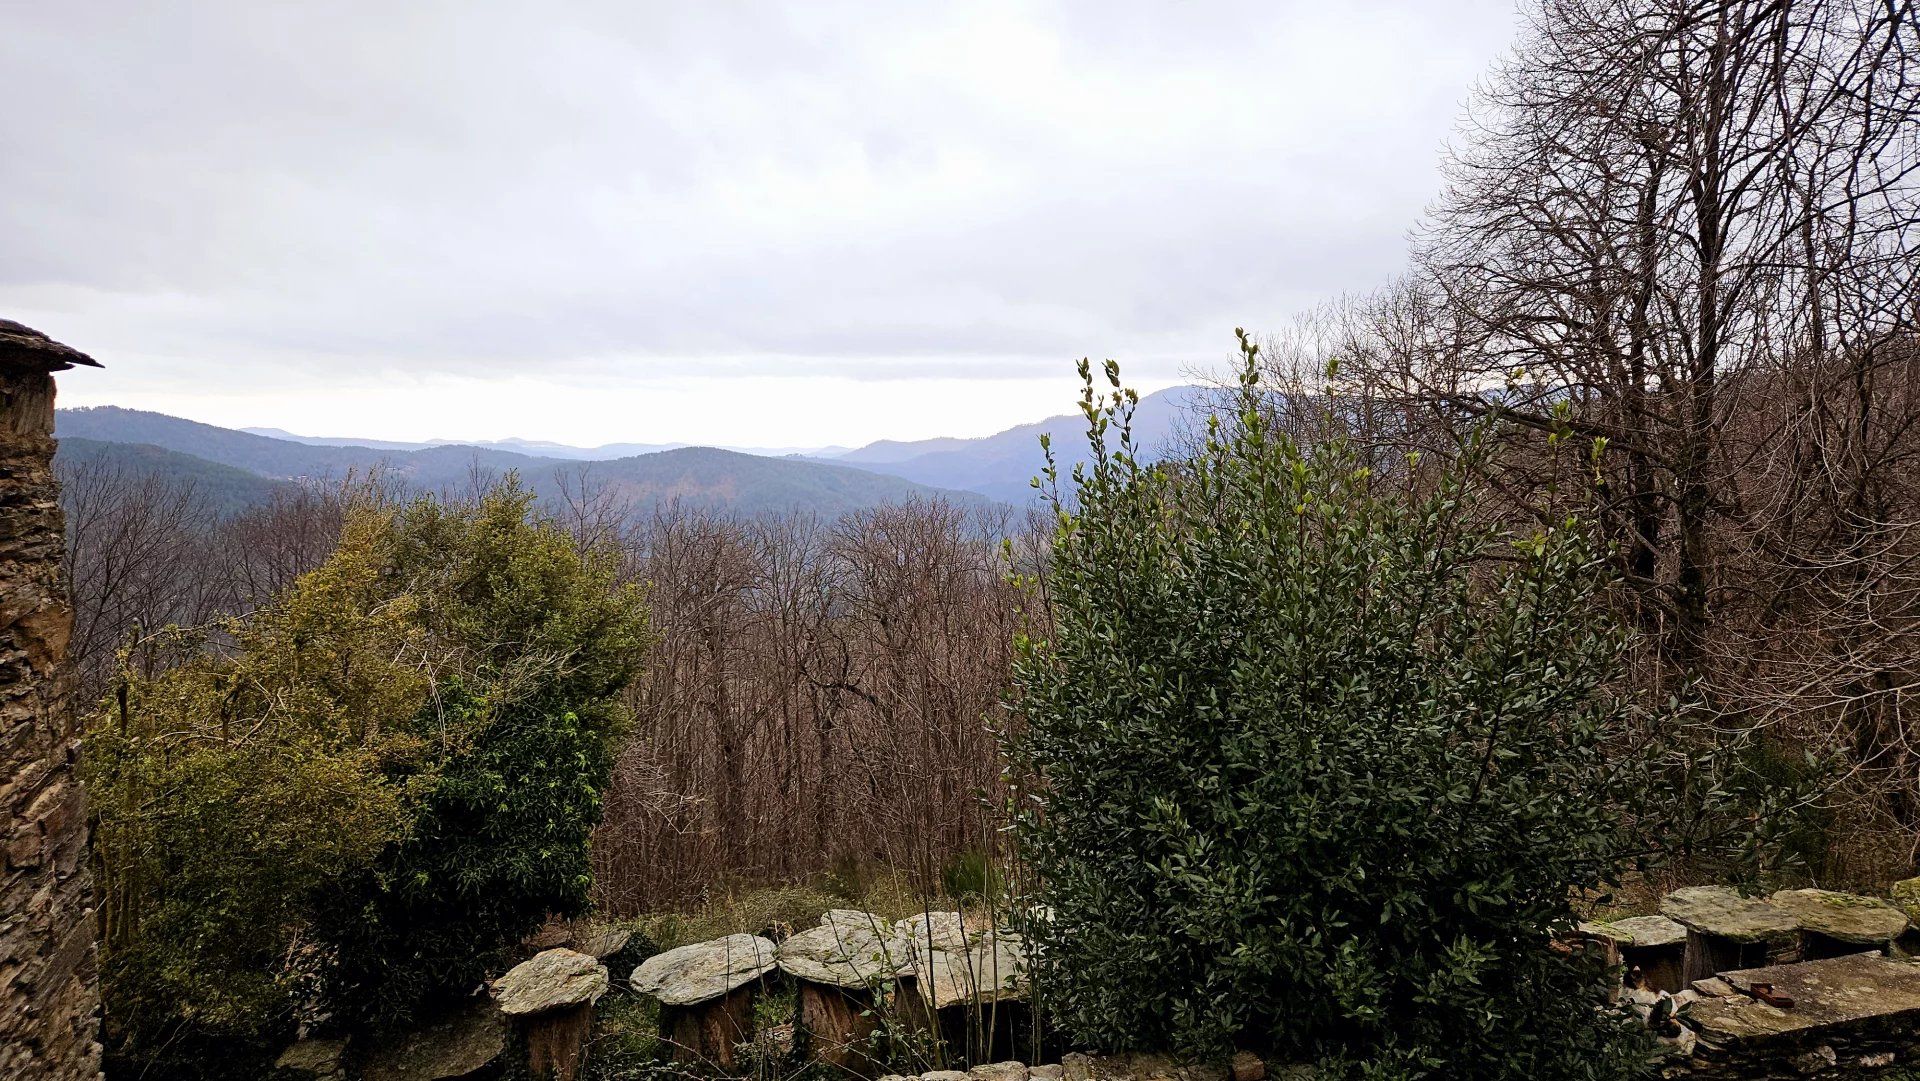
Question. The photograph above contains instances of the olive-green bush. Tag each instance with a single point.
(362, 793)
(537, 642)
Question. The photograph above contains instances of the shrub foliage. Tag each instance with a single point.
(1319, 767)
(363, 792)
(538, 642)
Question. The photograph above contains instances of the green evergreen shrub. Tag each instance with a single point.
(360, 796)
(227, 791)
(536, 641)
(966, 874)
(1321, 762)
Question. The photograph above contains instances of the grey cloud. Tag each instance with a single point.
(889, 191)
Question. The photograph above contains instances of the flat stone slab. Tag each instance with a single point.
(455, 1046)
(704, 970)
(993, 971)
(314, 1056)
(602, 942)
(1826, 994)
(1641, 932)
(938, 931)
(1139, 1066)
(1848, 917)
(854, 918)
(1606, 931)
(842, 954)
(550, 980)
(1723, 913)
(1713, 987)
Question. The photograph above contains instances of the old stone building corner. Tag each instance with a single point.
(49, 988)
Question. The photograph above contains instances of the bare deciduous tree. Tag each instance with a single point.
(820, 695)
(137, 559)
(1676, 254)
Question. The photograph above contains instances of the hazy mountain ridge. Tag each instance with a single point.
(696, 476)
(896, 450)
(539, 448)
(997, 467)
(1002, 466)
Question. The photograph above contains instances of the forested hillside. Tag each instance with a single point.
(224, 489)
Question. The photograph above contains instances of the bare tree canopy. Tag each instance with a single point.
(1676, 255)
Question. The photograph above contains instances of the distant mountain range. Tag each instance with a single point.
(1002, 466)
(239, 468)
(535, 447)
(695, 476)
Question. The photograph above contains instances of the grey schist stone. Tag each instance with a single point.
(704, 971)
(1723, 913)
(1847, 917)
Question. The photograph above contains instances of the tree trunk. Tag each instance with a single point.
(837, 1028)
(705, 1033)
(557, 1042)
(1710, 955)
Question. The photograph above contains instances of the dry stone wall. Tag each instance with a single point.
(49, 999)
(1856, 1015)
(1804, 983)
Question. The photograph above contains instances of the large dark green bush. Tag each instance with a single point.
(1321, 763)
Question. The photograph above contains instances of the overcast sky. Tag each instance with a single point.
(748, 224)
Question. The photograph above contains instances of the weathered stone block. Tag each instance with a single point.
(49, 1001)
